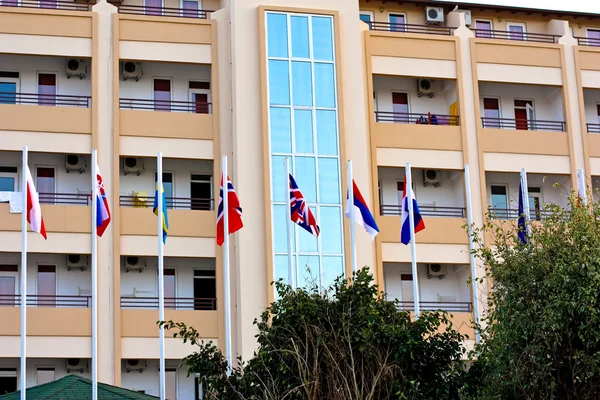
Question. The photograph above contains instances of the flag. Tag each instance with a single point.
(362, 214)
(522, 225)
(234, 215)
(34, 211)
(419, 224)
(165, 217)
(300, 212)
(102, 210)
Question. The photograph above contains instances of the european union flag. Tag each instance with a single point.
(165, 217)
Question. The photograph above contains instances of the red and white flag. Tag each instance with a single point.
(34, 211)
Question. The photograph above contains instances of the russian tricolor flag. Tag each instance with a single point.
(362, 214)
(419, 224)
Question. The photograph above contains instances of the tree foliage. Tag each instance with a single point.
(349, 343)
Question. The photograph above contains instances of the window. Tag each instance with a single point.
(162, 95)
(400, 106)
(46, 286)
(153, 7)
(593, 36)
(366, 16)
(190, 8)
(8, 284)
(406, 286)
(516, 30)
(47, 89)
(535, 202)
(170, 384)
(200, 97)
(170, 289)
(491, 113)
(199, 395)
(169, 188)
(9, 82)
(46, 184)
(8, 380)
(524, 115)
(597, 112)
(483, 29)
(9, 179)
(45, 375)
(201, 190)
(205, 289)
(397, 22)
(499, 202)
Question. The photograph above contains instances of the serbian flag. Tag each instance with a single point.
(362, 214)
(34, 211)
(300, 212)
(234, 214)
(102, 211)
(419, 224)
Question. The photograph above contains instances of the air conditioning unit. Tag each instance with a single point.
(467, 16)
(73, 162)
(76, 365)
(436, 270)
(434, 15)
(132, 165)
(134, 364)
(132, 70)
(133, 263)
(76, 67)
(432, 177)
(77, 261)
(425, 88)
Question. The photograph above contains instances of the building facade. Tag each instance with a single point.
(319, 82)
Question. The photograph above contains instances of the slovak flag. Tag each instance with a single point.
(299, 210)
(234, 213)
(34, 211)
(102, 210)
(419, 224)
(362, 214)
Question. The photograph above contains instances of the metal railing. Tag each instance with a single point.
(410, 28)
(38, 300)
(416, 118)
(517, 36)
(182, 203)
(512, 213)
(426, 211)
(80, 199)
(166, 105)
(173, 303)
(593, 128)
(163, 11)
(47, 4)
(585, 41)
(523, 124)
(435, 306)
(45, 99)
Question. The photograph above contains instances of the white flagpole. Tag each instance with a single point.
(413, 246)
(24, 276)
(352, 219)
(471, 254)
(525, 195)
(581, 186)
(288, 225)
(226, 278)
(161, 278)
(94, 276)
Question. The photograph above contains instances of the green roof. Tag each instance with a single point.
(73, 387)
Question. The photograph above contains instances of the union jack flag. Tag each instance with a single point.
(300, 212)
(234, 213)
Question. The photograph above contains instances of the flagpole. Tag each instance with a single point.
(24, 276)
(471, 252)
(525, 193)
(161, 278)
(288, 225)
(94, 275)
(352, 218)
(413, 246)
(226, 278)
(581, 186)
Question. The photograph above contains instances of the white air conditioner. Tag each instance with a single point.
(425, 87)
(76, 67)
(77, 261)
(434, 15)
(76, 365)
(133, 263)
(132, 70)
(432, 177)
(467, 14)
(132, 165)
(73, 162)
(134, 364)
(436, 270)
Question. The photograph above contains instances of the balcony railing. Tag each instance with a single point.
(416, 118)
(593, 128)
(40, 99)
(49, 4)
(181, 203)
(38, 300)
(173, 303)
(585, 41)
(426, 211)
(523, 124)
(166, 105)
(435, 306)
(512, 213)
(410, 28)
(164, 11)
(517, 36)
(79, 199)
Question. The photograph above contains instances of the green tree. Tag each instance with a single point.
(542, 339)
(347, 344)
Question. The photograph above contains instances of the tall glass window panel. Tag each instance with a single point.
(280, 228)
(324, 85)
(278, 186)
(8, 92)
(333, 267)
(301, 83)
(307, 242)
(309, 271)
(46, 182)
(328, 175)
(300, 47)
(322, 38)
(303, 131)
(47, 89)
(327, 135)
(397, 23)
(331, 230)
(46, 286)
(279, 82)
(281, 130)
(306, 178)
(277, 33)
(281, 267)
(7, 184)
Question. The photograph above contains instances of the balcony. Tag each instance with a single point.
(48, 4)
(163, 11)
(410, 28)
(14, 300)
(593, 128)
(522, 124)
(586, 41)
(426, 211)
(171, 303)
(518, 36)
(461, 307)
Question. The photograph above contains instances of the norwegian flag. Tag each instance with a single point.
(234, 215)
(300, 212)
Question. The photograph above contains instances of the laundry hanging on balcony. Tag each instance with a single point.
(14, 200)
